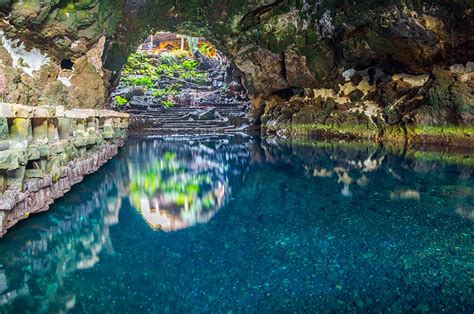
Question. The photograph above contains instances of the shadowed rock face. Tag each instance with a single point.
(277, 45)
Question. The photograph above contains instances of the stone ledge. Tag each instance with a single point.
(39, 193)
(45, 150)
(8, 110)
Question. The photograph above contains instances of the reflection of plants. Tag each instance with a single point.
(183, 193)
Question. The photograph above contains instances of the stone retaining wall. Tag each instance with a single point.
(45, 150)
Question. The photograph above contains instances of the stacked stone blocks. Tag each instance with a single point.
(45, 150)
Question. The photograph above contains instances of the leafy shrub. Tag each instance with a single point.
(189, 64)
(206, 50)
(121, 101)
(168, 58)
(138, 63)
(140, 81)
(167, 103)
(144, 70)
(181, 54)
(198, 77)
(164, 91)
(167, 69)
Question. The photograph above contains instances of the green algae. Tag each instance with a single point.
(306, 130)
(400, 136)
(450, 131)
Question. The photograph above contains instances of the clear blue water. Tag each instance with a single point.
(240, 225)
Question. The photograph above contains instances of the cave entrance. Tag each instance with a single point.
(180, 84)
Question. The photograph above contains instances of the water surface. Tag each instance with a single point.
(242, 225)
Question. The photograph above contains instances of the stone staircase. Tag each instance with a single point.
(189, 120)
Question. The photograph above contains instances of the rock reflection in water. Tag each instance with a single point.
(175, 184)
(42, 252)
(391, 177)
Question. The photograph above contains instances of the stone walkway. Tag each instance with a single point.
(190, 120)
(44, 150)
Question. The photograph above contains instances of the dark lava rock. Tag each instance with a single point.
(210, 114)
(143, 102)
(129, 92)
(356, 95)
(356, 79)
(204, 62)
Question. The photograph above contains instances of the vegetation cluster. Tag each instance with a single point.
(161, 75)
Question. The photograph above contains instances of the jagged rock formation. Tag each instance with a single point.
(401, 108)
(279, 46)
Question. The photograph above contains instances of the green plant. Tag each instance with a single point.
(144, 70)
(168, 58)
(121, 101)
(167, 69)
(167, 103)
(140, 81)
(181, 54)
(205, 50)
(165, 91)
(189, 64)
(198, 77)
(138, 63)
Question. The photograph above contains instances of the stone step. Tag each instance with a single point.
(176, 120)
(160, 130)
(181, 112)
(178, 126)
(186, 122)
(185, 109)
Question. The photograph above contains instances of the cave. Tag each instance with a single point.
(236, 156)
(181, 84)
(67, 64)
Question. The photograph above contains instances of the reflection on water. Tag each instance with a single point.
(41, 253)
(177, 184)
(256, 226)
